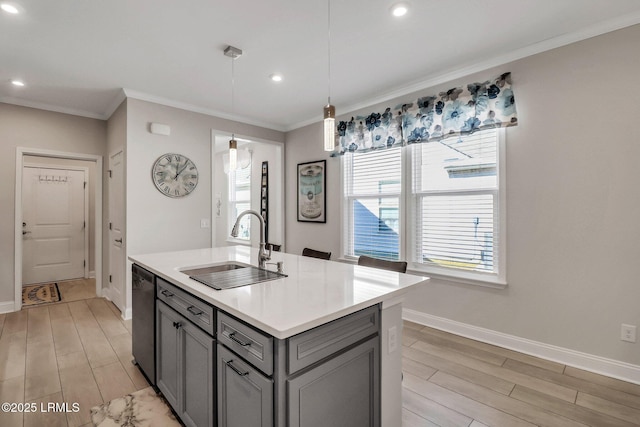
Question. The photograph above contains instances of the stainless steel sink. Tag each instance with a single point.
(231, 275)
(216, 268)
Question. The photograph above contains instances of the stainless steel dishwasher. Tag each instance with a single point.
(143, 303)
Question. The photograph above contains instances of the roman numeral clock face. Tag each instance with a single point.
(174, 175)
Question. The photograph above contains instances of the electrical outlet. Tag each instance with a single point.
(628, 333)
(393, 339)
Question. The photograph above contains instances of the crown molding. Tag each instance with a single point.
(49, 107)
(465, 70)
(141, 96)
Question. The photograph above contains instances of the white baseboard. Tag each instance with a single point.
(92, 274)
(599, 365)
(7, 306)
(127, 313)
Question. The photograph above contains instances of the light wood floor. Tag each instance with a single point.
(73, 352)
(80, 351)
(454, 381)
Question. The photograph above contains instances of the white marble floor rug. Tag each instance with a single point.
(144, 408)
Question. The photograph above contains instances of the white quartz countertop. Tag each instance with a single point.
(315, 291)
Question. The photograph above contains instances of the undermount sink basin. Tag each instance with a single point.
(230, 275)
(216, 268)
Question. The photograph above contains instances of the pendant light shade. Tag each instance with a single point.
(329, 127)
(233, 154)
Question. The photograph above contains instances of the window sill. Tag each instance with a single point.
(487, 282)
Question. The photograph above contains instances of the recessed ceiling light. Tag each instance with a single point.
(19, 83)
(276, 77)
(399, 9)
(9, 8)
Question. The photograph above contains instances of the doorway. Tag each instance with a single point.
(52, 257)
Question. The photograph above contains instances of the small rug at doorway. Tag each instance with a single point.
(40, 294)
(143, 408)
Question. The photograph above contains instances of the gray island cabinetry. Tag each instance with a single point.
(319, 347)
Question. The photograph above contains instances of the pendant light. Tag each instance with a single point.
(329, 111)
(233, 53)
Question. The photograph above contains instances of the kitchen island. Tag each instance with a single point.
(325, 317)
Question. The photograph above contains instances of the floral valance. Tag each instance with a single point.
(457, 111)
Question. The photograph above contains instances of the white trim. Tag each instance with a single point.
(599, 365)
(49, 107)
(20, 153)
(134, 94)
(92, 274)
(6, 306)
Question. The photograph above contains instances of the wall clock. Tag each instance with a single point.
(174, 175)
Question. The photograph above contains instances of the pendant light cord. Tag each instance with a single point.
(329, 50)
(233, 84)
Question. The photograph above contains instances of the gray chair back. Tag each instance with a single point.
(367, 261)
(316, 254)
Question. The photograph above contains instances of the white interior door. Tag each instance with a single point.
(117, 276)
(54, 224)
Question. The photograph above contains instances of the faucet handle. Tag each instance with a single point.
(278, 264)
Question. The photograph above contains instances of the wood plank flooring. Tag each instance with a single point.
(454, 381)
(80, 351)
(75, 352)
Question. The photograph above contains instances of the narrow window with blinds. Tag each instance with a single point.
(240, 200)
(455, 196)
(372, 210)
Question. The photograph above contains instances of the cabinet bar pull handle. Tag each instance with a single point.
(236, 370)
(177, 325)
(191, 309)
(166, 293)
(232, 335)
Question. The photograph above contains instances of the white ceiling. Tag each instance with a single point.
(77, 56)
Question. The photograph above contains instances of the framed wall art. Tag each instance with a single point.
(312, 198)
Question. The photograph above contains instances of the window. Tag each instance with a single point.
(372, 190)
(240, 200)
(455, 197)
(453, 217)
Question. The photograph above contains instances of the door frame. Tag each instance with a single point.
(85, 207)
(21, 152)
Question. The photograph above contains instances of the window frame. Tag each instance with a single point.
(408, 226)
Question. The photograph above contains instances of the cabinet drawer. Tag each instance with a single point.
(196, 311)
(253, 345)
(311, 346)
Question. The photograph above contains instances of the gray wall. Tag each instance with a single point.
(32, 128)
(572, 202)
(157, 223)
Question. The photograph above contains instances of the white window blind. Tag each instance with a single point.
(240, 200)
(455, 197)
(372, 210)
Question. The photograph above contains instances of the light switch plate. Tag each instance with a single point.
(204, 223)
